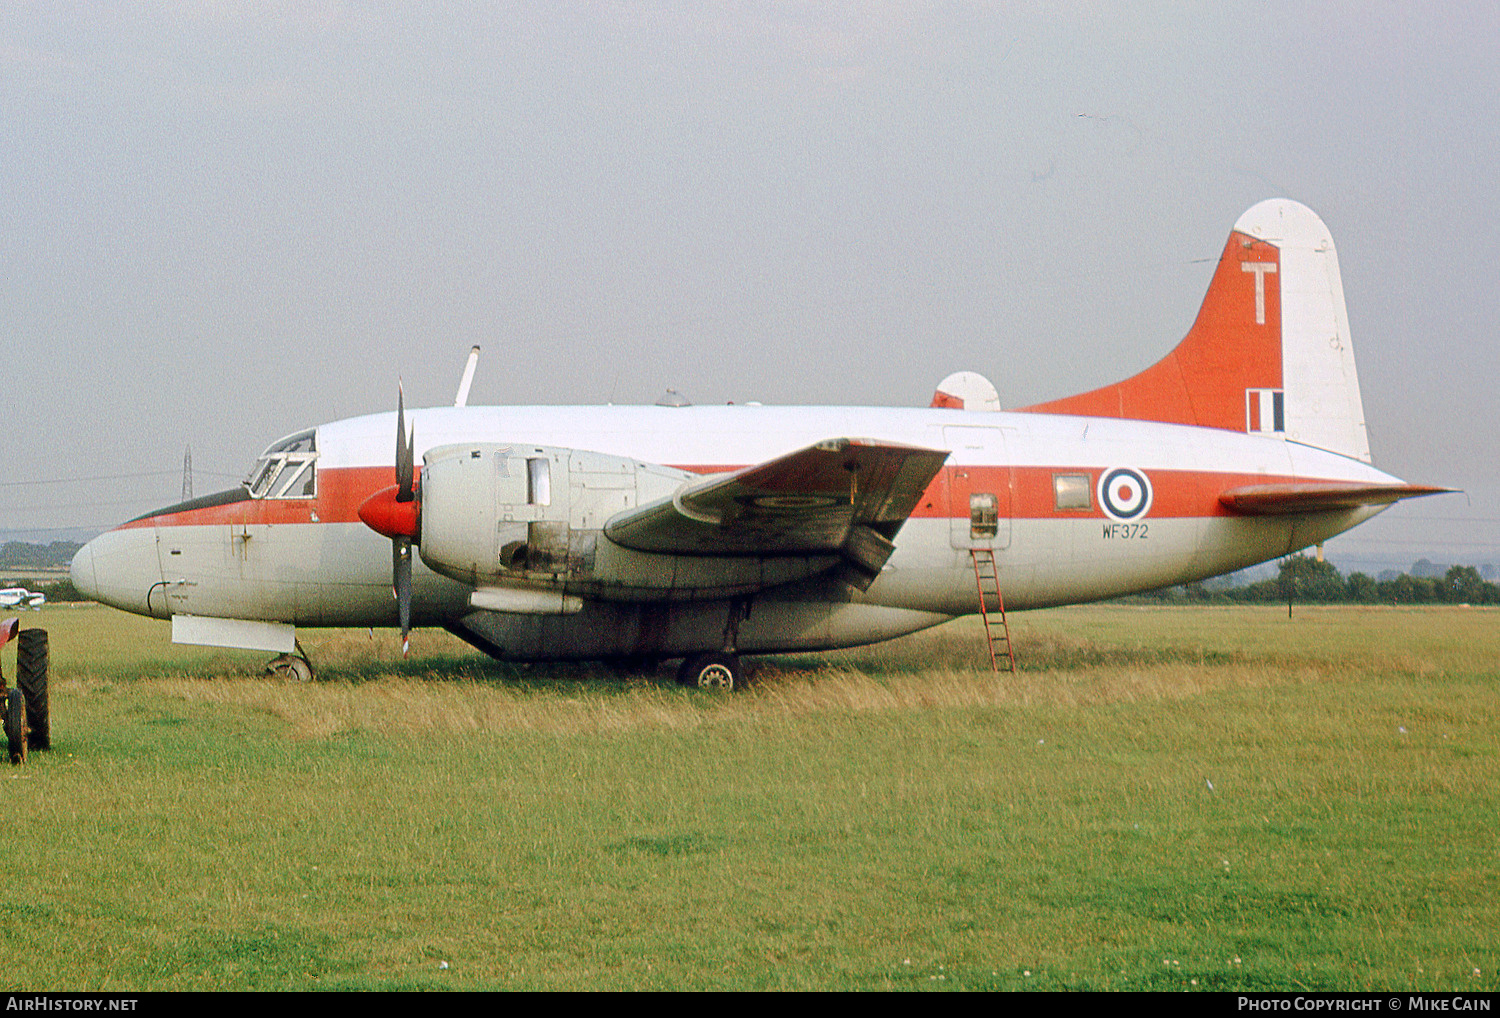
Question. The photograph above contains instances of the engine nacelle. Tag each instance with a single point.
(500, 513)
(513, 517)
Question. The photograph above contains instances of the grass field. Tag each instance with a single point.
(1162, 798)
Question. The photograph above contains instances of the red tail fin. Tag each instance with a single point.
(1269, 351)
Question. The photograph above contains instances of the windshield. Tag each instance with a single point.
(288, 469)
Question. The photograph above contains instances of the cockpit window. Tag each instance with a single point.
(288, 469)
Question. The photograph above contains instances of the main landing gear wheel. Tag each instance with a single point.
(31, 677)
(712, 671)
(290, 667)
(15, 725)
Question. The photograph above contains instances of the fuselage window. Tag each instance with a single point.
(286, 470)
(1072, 491)
(294, 481)
(539, 481)
(984, 515)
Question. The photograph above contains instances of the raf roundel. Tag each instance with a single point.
(1124, 494)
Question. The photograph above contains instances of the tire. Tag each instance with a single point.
(290, 667)
(712, 671)
(15, 725)
(32, 663)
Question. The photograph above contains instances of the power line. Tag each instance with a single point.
(79, 505)
(112, 477)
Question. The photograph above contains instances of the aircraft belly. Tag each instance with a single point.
(609, 630)
(779, 626)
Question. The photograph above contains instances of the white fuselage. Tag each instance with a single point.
(309, 560)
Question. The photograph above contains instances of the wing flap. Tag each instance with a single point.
(1318, 496)
(847, 495)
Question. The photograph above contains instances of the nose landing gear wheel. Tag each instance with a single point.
(712, 671)
(290, 667)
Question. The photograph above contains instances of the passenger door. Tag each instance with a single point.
(979, 487)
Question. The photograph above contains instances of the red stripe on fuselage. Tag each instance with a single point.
(1175, 494)
(340, 492)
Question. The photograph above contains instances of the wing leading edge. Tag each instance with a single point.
(847, 496)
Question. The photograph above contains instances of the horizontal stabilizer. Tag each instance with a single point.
(1318, 496)
(820, 499)
(966, 390)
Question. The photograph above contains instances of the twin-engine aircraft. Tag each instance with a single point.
(711, 532)
(20, 597)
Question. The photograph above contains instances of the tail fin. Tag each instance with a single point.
(1269, 352)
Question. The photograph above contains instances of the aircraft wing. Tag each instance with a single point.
(844, 496)
(1318, 496)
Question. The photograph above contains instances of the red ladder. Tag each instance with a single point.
(996, 629)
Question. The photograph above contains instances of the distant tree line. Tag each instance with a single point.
(21, 555)
(27, 558)
(1305, 580)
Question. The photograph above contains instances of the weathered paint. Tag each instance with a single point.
(1165, 458)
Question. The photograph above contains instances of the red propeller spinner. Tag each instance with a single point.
(385, 513)
(394, 512)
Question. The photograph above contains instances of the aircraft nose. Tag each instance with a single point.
(81, 572)
(120, 568)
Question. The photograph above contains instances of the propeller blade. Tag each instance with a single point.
(391, 512)
(405, 451)
(401, 584)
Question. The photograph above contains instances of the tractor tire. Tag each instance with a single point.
(32, 663)
(15, 725)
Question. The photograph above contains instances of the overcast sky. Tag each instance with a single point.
(222, 222)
